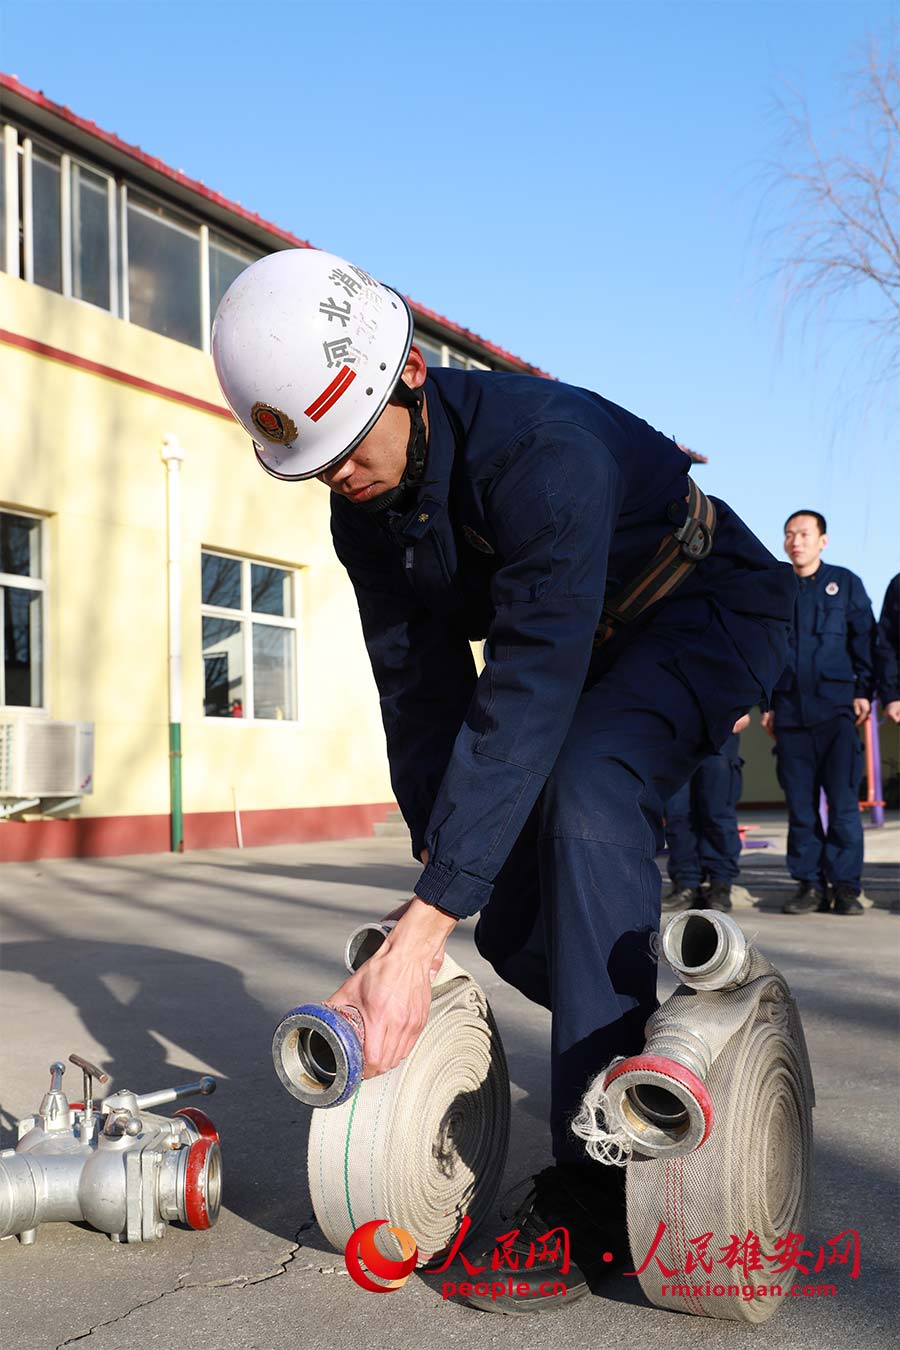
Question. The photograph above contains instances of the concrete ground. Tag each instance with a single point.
(162, 967)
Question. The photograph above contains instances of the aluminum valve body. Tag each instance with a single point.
(117, 1166)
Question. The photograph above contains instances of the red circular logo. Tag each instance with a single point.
(361, 1248)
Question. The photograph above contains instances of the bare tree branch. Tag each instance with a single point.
(839, 250)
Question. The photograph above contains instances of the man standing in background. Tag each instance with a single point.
(702, 833)
(820, 700)
(887, 652)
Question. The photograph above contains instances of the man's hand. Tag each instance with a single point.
(892, 711)
(767, 722)
(861, 710)
(741, 723)
(392, 990)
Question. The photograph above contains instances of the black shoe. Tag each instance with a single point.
(588, 1202)
(807, 897)
(718, 896)
(681, 898)
(846, 900)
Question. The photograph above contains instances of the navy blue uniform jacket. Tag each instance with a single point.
(830, 658)
(887, 657)
(536, 497)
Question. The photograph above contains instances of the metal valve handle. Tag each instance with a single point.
(89, 1073)
(202, 1088)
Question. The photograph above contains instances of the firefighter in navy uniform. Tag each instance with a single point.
(702, 835)
(887, 652)
(629, 624)
(821, 699)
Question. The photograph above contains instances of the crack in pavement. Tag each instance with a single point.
(237, 1281)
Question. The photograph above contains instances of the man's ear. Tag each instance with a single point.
(824, 540)
(415, 370)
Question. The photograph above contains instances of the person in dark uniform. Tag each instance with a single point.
(887, 652)
(626, 633)
(702, 835)
(820, 700)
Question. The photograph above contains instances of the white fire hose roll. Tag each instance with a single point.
(425, 1144)
(714, 1123)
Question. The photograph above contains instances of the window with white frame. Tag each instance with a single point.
(164, 272)
(437, 353)
(66, 214)
(2, 202)
(249, 621)
(46, 220)
(226, 261)
(103, 239)
(22, 589)
(111, 244)
(93, 224)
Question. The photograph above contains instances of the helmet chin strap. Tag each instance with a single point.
(399, 497)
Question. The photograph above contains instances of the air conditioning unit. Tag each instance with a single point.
(43, 758)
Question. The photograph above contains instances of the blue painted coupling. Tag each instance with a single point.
(318, 1053)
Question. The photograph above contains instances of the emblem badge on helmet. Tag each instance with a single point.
(272, 423)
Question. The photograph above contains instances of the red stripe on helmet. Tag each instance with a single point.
(328, 397)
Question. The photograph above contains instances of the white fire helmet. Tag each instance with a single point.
(308, 350)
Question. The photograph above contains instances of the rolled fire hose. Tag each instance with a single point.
(421, 1146)
(714, 1123)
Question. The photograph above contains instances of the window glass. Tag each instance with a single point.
(90, 237)
(221, 581)
(223, 668)
(19, 545)
(163, 273)
(21, 645)
(224, 265)
(273, 672)
(270, 590)
(250, 667)
(431, 353)
(457, 362)
(45, 211)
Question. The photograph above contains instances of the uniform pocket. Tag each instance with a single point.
(830, 619)
(836, 685)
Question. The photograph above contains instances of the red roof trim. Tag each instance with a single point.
(193, 185)
(28, 344)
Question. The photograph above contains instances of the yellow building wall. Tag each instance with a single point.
(85, 451)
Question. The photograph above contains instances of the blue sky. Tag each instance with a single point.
(582, 183)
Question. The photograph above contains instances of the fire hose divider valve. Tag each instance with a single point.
(117, 1166)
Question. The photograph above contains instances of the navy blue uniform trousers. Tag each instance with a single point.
(701, 821)
(830, 756)
(573, 909)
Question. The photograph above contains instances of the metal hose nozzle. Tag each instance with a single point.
(707, 950)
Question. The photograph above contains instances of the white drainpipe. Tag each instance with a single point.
(172, 455)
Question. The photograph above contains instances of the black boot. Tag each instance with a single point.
(587, 1201)
(846, 900)
(807, 897)
(681, 897)
(718, 896)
